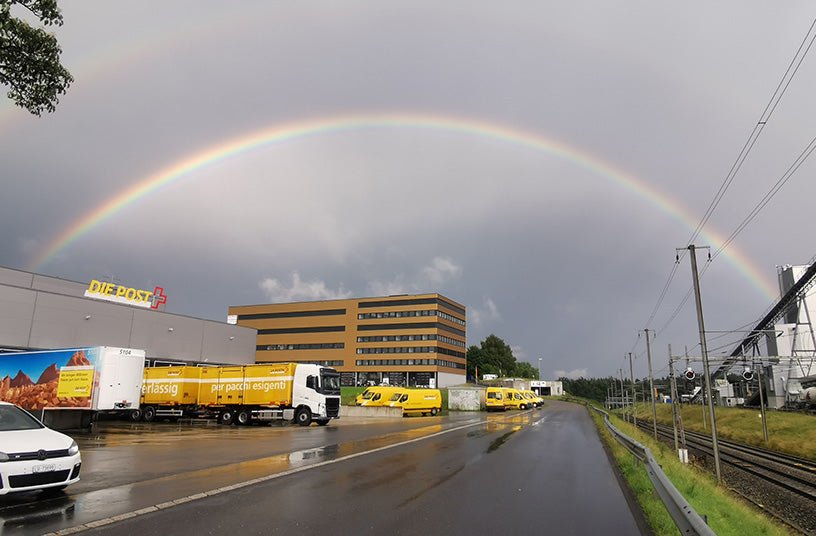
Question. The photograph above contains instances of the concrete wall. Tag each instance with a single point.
(466, 398)
(40, 312)
(365, 411)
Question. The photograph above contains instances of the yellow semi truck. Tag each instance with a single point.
(298, 392)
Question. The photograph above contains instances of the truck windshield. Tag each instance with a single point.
(13, 418)
(330, 383)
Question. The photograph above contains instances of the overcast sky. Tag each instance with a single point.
(562, 260)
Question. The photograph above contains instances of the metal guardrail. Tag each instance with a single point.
(685, 518)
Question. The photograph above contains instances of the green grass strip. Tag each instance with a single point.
(727, 513)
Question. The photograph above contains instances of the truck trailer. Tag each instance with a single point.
(298, 392)
(68, 388)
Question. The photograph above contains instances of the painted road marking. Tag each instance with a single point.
(155, 508)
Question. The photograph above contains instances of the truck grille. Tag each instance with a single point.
(333, 407)
(37, 479)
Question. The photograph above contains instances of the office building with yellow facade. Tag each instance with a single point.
(414, 340)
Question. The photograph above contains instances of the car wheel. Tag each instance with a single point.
(434, 411)
(303, 416)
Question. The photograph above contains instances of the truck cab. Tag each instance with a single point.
(315, 394)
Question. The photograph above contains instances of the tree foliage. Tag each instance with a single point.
(29, 56)
(494, 356)
(591, 388)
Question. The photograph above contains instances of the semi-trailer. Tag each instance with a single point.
(298, 392)
(68, 388)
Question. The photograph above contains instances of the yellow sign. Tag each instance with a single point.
(102, 290)
(75, 382)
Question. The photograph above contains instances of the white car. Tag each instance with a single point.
(32, 456)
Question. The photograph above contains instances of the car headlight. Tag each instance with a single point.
(73, 449)
(4, 457)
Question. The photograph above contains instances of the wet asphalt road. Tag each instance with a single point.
(536, 470)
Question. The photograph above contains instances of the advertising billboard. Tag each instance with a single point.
(50, 379)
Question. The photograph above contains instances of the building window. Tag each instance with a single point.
(310, 346)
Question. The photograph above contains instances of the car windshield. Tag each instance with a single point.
(13, 418)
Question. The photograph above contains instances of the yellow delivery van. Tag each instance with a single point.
(417, 401)
(513, 399)
(376, 396)
(533, 399)
(494, 399)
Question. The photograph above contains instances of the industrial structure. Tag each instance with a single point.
(413, 340)
(39, 312)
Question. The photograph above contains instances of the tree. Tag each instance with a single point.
(525, 370)
(29, 56)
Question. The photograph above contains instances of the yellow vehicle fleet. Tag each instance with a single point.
(298, 392)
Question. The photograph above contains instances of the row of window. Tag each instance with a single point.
(410, 325)
(451, 352)
(407, 362)
(329, 363)
(411, 350)
(398, 350)
(292, 314)
(406, 314)
(454, 342)
(311, 346)
(417, 337)
(446, 316)
(413, 301)
(311, 329)
(394, 362)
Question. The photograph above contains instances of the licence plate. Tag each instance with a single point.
(44, 468)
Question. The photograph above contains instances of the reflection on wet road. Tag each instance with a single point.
(444, 458)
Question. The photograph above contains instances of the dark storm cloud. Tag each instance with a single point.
(565, 264)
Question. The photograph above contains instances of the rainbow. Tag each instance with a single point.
(299, 130)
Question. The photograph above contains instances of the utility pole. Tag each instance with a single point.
(762, 405)
(674, 400)
(651, 384)
(634, 396)
(623, 396)
(706, 373)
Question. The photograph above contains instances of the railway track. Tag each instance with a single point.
(796, 475)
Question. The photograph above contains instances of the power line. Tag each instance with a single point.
(764, 117)
(759, 126)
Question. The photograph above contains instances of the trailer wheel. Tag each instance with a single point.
(149, 413)
(434, 411)
(226, 417)
(243, 416)
(322, 422)
(135, 415)
(303, 416)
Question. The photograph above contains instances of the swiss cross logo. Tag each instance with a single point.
(158, 298)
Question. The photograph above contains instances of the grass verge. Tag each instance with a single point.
(790, 432)
(727, 513)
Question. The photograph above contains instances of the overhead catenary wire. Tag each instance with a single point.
(759, 126)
